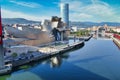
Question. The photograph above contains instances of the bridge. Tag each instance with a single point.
(100, 32)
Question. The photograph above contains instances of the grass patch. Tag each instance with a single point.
(24, 67)
(4, 77)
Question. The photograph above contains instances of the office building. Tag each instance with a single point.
(65, 14)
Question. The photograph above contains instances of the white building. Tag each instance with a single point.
(74, 29)
(118, 30)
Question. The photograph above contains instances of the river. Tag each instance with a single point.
(96, 60)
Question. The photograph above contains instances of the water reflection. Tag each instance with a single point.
(97, 60)
(57, 60)
(86, 60)
(102, 36)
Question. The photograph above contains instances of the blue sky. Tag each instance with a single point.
(80, 10)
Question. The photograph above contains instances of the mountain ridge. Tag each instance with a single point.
(72, 23)
(18, 21)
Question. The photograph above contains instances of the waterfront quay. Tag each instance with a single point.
(84, 38)
(47, 52)
(43, 53)
(116, 39)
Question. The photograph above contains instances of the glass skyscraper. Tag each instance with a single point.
(65, 14)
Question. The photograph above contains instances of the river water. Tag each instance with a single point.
(96, 60)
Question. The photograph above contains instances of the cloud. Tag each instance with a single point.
(98, 10)
(26, 4)
(74, 5)
(99, 2)
(93, 10)
(11, 14)
(84, 15)
(80, 16)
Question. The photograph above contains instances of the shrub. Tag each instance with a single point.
(14, 54)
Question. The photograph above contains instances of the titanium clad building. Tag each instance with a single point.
(65, 14)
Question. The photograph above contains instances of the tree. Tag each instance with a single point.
(14, 54)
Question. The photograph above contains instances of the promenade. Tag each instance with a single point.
(116, 39)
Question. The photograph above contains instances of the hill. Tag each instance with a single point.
(18, 21)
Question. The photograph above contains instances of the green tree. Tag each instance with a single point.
(14, 54)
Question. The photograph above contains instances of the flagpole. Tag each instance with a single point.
(1, 44)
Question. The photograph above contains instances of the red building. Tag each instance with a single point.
(117, 36)
(0, 28)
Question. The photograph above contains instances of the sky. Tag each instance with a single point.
(79, 10)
